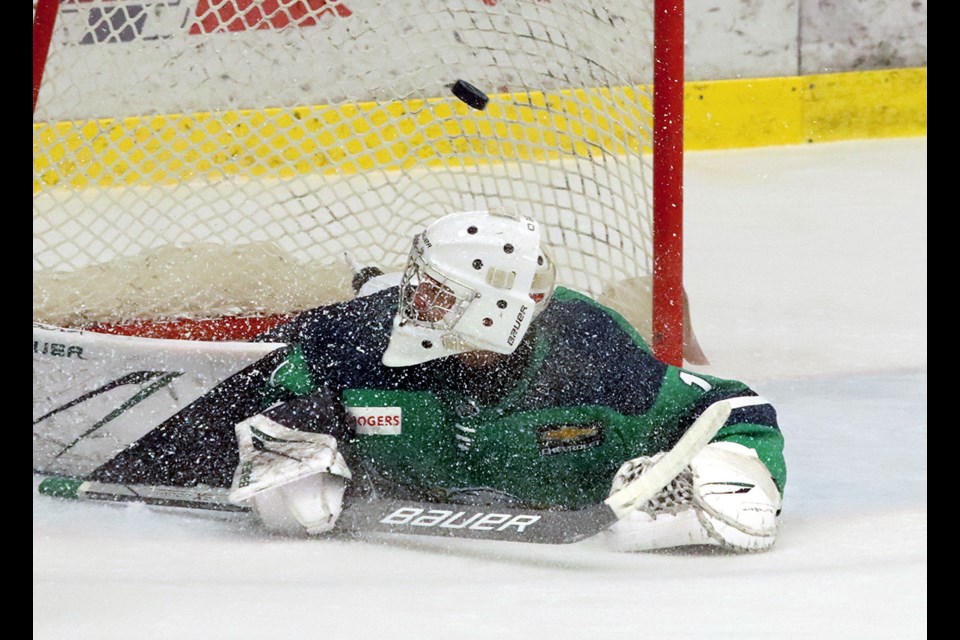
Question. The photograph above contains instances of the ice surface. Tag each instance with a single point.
(806, 270)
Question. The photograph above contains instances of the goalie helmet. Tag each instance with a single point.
(474, 280)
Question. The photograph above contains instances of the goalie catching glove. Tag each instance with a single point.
(293, 480)
(725, 498)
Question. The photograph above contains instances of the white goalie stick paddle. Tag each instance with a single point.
(488, 522)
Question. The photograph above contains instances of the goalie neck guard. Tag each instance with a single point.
(474, 281)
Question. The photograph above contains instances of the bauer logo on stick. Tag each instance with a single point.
(470, 95)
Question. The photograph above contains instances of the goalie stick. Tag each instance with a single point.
(489, 522)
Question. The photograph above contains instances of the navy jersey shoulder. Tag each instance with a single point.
(593, 357)
(343, 343)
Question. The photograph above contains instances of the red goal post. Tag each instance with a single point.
(200, 161)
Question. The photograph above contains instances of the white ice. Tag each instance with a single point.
(806, 271)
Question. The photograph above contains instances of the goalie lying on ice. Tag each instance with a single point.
(480, 380)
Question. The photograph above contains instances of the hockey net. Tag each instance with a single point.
(204, 160)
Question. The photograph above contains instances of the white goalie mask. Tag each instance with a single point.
(474, 280)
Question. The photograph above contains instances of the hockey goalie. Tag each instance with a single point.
(469, 379)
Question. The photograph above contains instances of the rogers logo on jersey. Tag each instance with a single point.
(377, 421)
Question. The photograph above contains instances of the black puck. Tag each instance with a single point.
(470, 95)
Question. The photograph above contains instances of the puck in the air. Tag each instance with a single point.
(469, 94)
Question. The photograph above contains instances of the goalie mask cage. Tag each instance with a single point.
(197, 159)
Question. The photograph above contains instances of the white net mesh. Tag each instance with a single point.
(195, 158)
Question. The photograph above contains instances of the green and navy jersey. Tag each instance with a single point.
(549, 426)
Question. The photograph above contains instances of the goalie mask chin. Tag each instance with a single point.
(474, 280)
